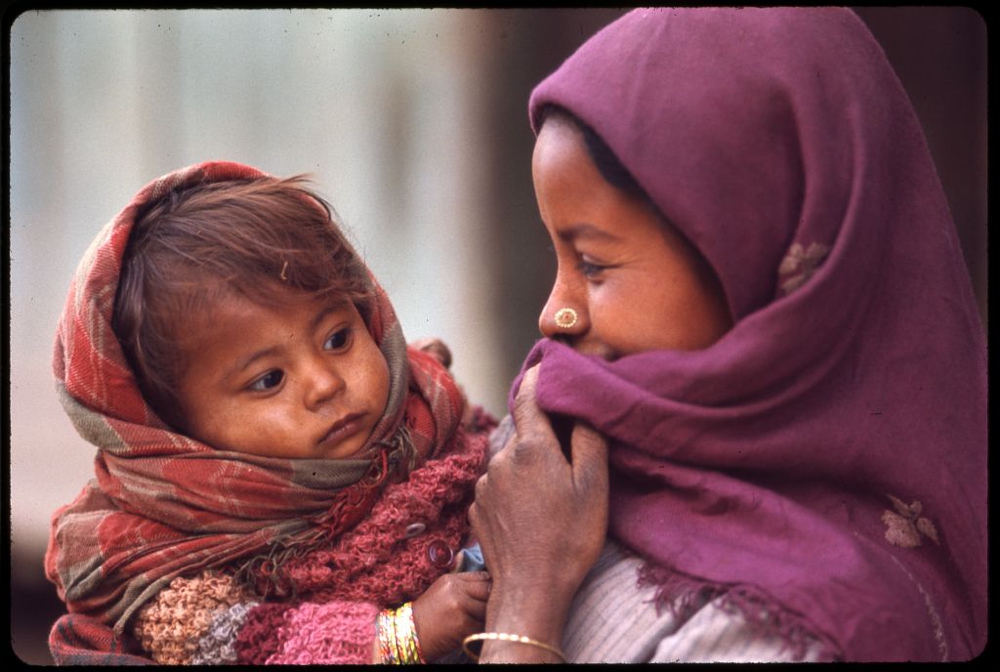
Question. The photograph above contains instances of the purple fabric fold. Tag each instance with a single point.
(827, 457)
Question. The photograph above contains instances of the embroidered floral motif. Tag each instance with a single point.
(799, 265)
(904, 527)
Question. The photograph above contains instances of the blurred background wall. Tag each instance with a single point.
(414, 125)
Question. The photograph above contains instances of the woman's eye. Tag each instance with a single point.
(339, 340)
(589, 269)
(268, 381)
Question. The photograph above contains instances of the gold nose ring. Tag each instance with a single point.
(565, 318)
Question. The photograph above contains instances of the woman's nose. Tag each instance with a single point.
(562, 316)
(323, 381)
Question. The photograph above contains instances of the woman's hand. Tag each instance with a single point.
(450, 610)
(541, 521)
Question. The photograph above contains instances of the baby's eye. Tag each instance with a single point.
(268, 381)
(339, 340)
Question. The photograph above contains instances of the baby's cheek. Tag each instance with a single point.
(380, 383)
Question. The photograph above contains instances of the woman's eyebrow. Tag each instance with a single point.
(586, 231)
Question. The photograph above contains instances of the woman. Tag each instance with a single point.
(762, 305)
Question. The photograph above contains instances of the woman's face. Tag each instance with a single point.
(635, 283)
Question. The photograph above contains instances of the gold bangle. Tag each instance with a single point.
(407, 642)
(506, 637)
(397, 639)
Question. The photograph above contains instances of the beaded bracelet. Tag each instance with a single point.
(397, 637)
(506, 637)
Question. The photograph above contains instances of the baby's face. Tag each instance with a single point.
(305, 380)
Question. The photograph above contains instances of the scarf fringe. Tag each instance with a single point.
(398, 450)
(682, 595)
(266, 574)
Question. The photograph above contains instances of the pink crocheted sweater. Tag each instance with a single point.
(326, 611)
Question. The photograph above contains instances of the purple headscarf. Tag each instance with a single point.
(826, 459)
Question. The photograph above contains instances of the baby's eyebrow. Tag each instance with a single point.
(333, 307)
(246, 362)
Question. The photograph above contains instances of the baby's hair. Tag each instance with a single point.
(199, 245)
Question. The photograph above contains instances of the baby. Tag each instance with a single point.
(280, 478)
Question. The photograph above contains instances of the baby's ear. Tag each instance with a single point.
(435, 347)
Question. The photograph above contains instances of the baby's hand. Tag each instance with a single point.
(453, 608)
(435, 347)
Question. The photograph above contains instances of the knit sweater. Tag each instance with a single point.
(321, 607)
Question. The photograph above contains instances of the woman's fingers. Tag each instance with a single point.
(524, 401)
(475, 584)
(528, 417)
(590, 459)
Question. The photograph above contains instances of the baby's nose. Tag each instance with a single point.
(324, 382)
